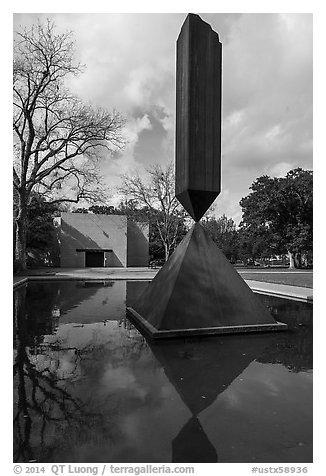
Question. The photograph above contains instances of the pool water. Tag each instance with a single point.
(88, 387)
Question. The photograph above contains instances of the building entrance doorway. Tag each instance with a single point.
(94, 259)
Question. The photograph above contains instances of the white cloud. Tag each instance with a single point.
(126, 163)
(281, 169)
(134, 127)
(267, 87)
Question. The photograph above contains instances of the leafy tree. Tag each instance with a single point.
(103, 209)
(40, 229)
(98, 210)
(277, 214)
(155, 198)
(255, 244)
(40, 226)
(224, 233)
(80, 210)
(58, 140)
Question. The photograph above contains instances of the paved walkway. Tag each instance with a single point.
(147, 274)
(283, 290)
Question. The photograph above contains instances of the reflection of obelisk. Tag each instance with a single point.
(200, 371)
(198, 291)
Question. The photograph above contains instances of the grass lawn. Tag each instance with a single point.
(292, 278)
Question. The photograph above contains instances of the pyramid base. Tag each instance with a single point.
(198, 292)
(145, 327)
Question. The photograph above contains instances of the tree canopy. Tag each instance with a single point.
(224, 233)
(278, 216)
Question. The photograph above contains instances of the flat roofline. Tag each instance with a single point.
(93, 249)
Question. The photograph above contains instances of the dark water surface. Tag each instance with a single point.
(88, 387)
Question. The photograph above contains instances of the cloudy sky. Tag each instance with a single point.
(267, 89)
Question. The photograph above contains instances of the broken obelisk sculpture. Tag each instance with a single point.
(197, 291)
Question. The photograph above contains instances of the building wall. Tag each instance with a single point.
(127, 240)
(89, 231)
(137, 244)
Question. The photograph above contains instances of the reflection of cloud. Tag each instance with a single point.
(232, 399)
(265, 415)
(258, 383)
(121, 378)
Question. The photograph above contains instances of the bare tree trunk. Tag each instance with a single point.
(291, 258)
(166, 251)
(21, 238)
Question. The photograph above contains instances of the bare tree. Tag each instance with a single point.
(58, 140)
(156, 195)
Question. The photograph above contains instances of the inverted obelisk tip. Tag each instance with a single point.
(196, 202)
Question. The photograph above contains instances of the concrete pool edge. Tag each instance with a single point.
(295, 293)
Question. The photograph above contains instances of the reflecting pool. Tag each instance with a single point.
(88, 387)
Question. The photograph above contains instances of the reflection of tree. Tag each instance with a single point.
(36, 303)
(42, 394)
(293, 349)
(52, 367)
(108, 367)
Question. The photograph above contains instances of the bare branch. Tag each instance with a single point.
(157, 195)
(58, 140)
(52, 125)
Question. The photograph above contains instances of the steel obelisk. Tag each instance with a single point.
(198, 116)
